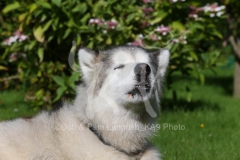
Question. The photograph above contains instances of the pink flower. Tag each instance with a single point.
(153, 37)
(213, 8)
(13, 57)
(147, 10)
(200, 9)
(144, 24)
(17, 33)
(219, 14)
(17, 36)
(163, 29)
(95, 21)
(193, 15)
(173, 1)
(182, 40)
(111, 24)
(7, 41)
(194, 11)
(23, 37)
(138, 42)
(10, 40)
(192, 8)
(146, 1)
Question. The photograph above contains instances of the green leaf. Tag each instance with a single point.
(90, 44)
(44, 4)
(78, 39)
(85, 18)
(32, 7)
(55, 24)
(160, 16)
(99, 38)
(202, 78)
(130, 17)
(195, 26)
(57, 2)
(38, 34)
(187, 48)
(30, 45)
(71, 23)
(173, 47)
(59, 80)
(50, 38)
(81, 8)
(22, 16)
(3, 68)
(47, 25)
(176, 25)
(74, 77)
(199, 37)
(60, 92)
(43, 18)
(11, 7)
(109, 40)
(39, 94)
(217, 34)
(40, 54)
(39, 73)
(193, 55)
(67, 32)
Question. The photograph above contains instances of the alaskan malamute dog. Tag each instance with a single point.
(112, 117)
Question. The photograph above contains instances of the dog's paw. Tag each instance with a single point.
(151, 154)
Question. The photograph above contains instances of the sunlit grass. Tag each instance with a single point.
(12, 105)
(211, 120)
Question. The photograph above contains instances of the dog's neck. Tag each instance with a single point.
(135, 153)
(128, 130)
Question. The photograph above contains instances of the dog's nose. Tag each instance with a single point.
(142, 69)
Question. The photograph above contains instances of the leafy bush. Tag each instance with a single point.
(38, 55)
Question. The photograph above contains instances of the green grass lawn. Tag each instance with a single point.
(211, 120)
(12, 105)
(209, 124)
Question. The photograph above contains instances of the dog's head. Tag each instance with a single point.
(123, 74)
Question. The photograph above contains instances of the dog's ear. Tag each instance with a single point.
(163, 60)
(87, 60)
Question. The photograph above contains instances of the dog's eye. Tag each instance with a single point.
(119, 66)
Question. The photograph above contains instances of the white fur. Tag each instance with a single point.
(85, 60)
(123, 78)
(163, 60)
(64, 134)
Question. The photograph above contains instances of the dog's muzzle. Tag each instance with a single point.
(143, 86)
(142, 71)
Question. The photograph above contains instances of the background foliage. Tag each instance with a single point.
(40, 60)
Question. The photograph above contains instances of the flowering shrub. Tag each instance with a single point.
(211, 10)
(17, 36)
(38, 51)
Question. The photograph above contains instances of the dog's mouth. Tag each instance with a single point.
(141, 89)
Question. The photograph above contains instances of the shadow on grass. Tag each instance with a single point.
(183, 105)
(224, 82)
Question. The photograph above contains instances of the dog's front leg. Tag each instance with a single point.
(151, 153)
